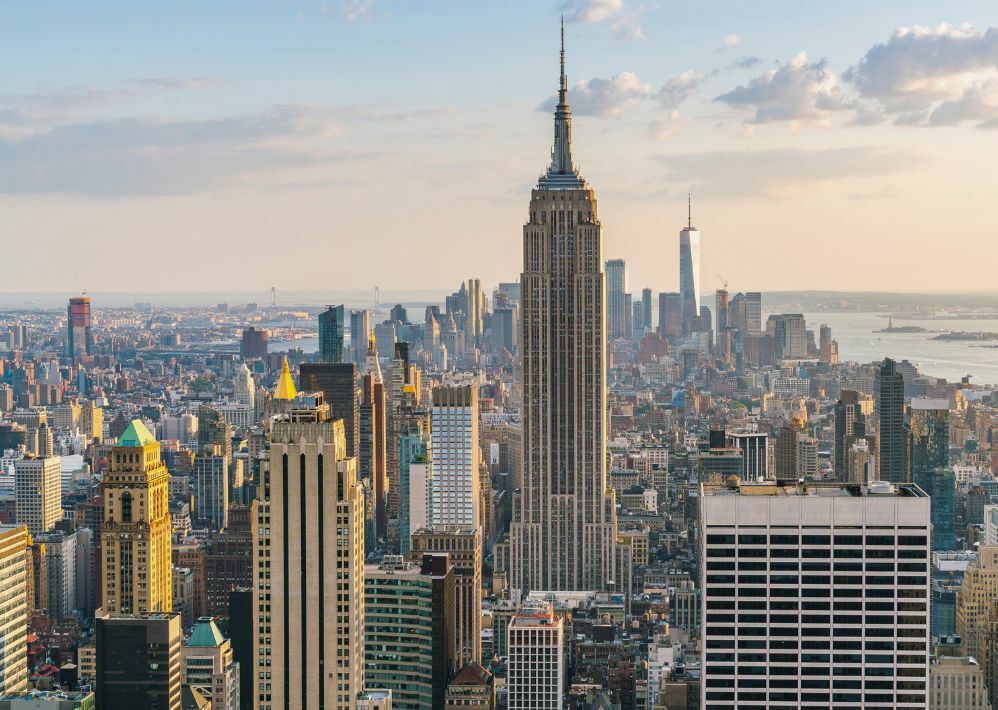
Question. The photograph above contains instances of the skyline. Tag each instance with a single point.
(216, 150)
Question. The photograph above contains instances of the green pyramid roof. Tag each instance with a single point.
(136, 435)
(206, 634)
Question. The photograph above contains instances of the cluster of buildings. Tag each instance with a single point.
(557, 494)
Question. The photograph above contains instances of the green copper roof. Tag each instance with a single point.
(136, 435)
(206, 634)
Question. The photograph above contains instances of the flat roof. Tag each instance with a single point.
(876, 489)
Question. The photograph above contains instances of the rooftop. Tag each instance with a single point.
(734, 487)
(136, 435)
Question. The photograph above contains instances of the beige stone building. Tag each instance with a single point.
(137, 567)
(956, 681)
(308, 566)
(974, 603)
(563, 534)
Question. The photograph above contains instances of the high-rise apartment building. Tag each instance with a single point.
(16, 608)
(79, 339)
(616, 287)
(463, 547)
(474, 321)
(815, 595)
(563, 533)
(331, 333)
(689, 275)
(894, 435)
(408, 629)
(456, 457)
(137, 569)
(535, 675)
(338, 384)
(308, 565)
(138, 661)
(38, 492)
(213, 430)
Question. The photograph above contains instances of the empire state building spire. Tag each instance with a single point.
(561, 158)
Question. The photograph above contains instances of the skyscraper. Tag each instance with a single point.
(536, 671)
(721, 313)
(38, 492)
(850, 426)
(309, 639)
(136, 544)
(211, 487)
(616, 287)
(689, 273)
(670, 314)
(360, 326)
(830, 597)
(79, 340)
(409, 629)
(331, 330)
(895, 438)
(338, 384)
(564, 519)
(464, 549)
(454, 433)
(254, 343)
(138, 661)
(15, 612)
(372, 439)
(646, 303)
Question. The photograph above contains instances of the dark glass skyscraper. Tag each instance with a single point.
(895, 464)
(338, 384)
(331, 327)
(79, 340)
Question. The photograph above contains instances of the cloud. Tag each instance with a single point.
(940, 76)
(80, 97)
(779, 172)
(730, 42)
(747, 62)
(679, 88)
(795, 91)
(604, 97)
(665, 127)
(156, 156)
(357, 10)
(623, 20)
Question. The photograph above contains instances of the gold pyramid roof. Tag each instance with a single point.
(285, 384)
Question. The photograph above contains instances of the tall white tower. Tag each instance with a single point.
(689, 272)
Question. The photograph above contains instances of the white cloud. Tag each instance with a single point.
(932, 76)
(730, 41)
(679, 88)
(604, 97)
(796, 91)
(623, 20)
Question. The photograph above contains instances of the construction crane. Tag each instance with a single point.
(725, 283)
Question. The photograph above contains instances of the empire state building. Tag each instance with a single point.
(563, 534)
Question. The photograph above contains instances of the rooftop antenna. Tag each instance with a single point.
(689, 210)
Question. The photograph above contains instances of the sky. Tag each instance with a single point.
(339, 145)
